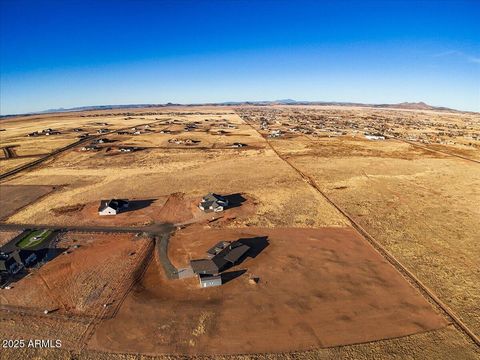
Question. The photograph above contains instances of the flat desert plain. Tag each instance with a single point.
(302, 181)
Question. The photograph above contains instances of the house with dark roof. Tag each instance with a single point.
(213, 202)
(9, 264)
(112, 207)
(226, 254)
(13, 261)
(204, 267)
(29, 257)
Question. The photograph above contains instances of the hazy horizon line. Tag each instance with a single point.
(285, 101)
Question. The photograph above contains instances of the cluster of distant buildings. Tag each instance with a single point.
(45, 132)
(373, 125)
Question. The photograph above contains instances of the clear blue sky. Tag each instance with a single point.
(73, 53)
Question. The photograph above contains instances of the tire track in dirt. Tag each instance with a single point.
(407, 274)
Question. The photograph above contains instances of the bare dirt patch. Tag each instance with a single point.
(15, 197)
(318, 288)
(63, 210)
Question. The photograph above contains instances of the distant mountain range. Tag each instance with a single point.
(403, 105)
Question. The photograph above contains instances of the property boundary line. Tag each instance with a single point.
(435, 150)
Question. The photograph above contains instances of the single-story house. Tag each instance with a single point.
(27, 257)
(228, 255)
(213, 202)
(112, 207)
(9, 264)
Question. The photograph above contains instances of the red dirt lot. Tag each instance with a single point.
(318, 288)
(82, 279)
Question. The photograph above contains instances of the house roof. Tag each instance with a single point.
(230, 253)
(213, 197)
(207, 204)
(236, 253)
(214, 250)
(6, 260)
(23, 254)
(220, 262)
(204, 266)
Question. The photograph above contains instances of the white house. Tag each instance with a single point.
(374, 137)
(112, 207)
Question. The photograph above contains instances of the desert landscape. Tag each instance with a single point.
(360, 225)
(239, 180)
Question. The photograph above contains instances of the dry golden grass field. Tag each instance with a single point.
(324, 291)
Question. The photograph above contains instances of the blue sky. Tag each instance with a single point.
(73, 53)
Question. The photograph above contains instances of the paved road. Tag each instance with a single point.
(154, 229)
(45, 158)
